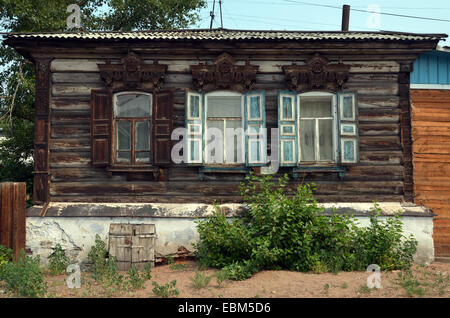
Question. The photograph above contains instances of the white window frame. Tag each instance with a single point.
(316, 124)
(223, 93)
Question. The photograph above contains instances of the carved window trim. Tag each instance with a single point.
(224, 74)
(132, 74)
(316, 74)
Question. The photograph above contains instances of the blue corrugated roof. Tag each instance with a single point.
(432, 68)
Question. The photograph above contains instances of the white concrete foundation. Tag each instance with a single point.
(76, 234)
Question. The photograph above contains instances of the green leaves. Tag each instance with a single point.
(282, 229)
(24, 277)
(58, 261)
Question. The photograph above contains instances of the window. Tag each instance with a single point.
(317, 128)
(216, 123)
(132, 122)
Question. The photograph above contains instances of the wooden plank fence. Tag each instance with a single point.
(13, 215)
(431, 148)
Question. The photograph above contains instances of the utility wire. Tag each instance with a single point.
(366, 11)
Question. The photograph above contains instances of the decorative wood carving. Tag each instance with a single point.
(224, 74)
(41, 191)
(316, 74)
(132, 73)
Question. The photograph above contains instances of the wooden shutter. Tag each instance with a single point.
(100, 127)
(255, 122)
(193, 150)
(162, 127)
(348, 128)
(288, 128)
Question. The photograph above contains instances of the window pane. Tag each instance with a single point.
(314, 107)
(224, 106)
(143, 156)
(124, 135)
(142, 135)
(307, 140)
(133, 105)
(234, 151)
(123, 156)
(287, 108)
(255, 107)
(195, 150)
(348, 107)
(255, 151)
(195, 106)
(326, 139)
(215, 142)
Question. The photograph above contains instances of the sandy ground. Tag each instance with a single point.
(425, 281)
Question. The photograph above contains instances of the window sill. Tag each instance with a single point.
(311, 169)
(134, 169)
(237, 169)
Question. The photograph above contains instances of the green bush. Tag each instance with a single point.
(6, 255)
(281, 231)
(104, 269)
(166, 290)
(58, 261)
(135, 280)
(24, 277)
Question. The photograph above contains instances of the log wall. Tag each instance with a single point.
(431, 148)
(379, 176)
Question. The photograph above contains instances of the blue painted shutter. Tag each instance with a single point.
(194, 128)
(348, 128)
(255, 122)
(288, 128)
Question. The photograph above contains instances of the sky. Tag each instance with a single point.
(307, 15)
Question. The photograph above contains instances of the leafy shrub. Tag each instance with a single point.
(134, 279)
(24, 277)
(58, 261)
(6, 255)
(103, 268)
(166, 290)
(281, 231)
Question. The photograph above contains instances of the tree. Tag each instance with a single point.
(17, 74)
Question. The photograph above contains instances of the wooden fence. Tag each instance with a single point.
(431, 149)
(13, 215)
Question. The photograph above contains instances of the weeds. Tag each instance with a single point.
(58, 261)
(166, 290)
(200, 280)
(24, 277)
(134, 279)
(412, 285)
(148, 271)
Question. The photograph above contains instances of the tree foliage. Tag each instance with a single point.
(17, 74)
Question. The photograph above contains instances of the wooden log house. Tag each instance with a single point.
(108, 102)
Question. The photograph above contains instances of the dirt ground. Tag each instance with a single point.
(421, 281)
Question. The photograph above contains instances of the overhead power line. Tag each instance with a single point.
(367, 11)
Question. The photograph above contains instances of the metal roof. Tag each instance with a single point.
(227, 34)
